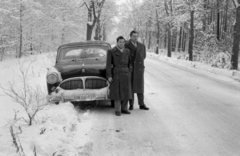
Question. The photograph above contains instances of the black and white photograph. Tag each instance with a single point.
(119, 78)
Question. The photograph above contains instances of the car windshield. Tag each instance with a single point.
(79, 53)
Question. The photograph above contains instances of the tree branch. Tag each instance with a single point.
(166, 7)
(236, 3)
(94, 11)
(84, 3)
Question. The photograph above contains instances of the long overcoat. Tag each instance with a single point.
(119, 68)
(138, 55)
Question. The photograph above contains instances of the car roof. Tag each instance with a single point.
(76, 44)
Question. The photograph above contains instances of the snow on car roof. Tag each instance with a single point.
(73, 44)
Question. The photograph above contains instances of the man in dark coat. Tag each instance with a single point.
(119, 76)
(138, 55)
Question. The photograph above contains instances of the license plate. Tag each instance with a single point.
(86, 97)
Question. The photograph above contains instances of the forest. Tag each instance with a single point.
(206, 31)
(36, 26)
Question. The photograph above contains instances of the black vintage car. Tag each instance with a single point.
(79, 73)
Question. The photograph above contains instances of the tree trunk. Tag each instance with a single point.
(165, 40)
(149, 32)
(158, 33)
(31, 38)
(98, 31)
(20, 30)
(236, 39)
(104, 32)
(204, 17)
(52, 39)
(146, 34)
(169, 32)
(161, 41)
(226, 16)
(1, 48)
(63, 35)
(90, 24)
(158, 40)
(180, 39)
(63, 31)
(89, 31)
(177, 39)
(149, 39)
(218, 20)
(190, 49)
(183, 41)
(30, 120)
(212, 20)
(94, 13)
(187, 42)
(169, 41)
(173, 42)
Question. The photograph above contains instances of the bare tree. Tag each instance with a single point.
(190, 48)
(169, 11)
(236, 37)
(32, 99)
(94, 13)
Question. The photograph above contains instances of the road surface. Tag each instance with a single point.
(192, 113)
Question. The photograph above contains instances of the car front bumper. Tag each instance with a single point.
(89, 90)
(78, 95)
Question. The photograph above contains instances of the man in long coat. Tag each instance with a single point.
(138, 55)
(119, 75)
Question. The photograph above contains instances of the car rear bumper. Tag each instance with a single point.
(78, 95)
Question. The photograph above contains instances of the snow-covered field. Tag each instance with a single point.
(57, 130)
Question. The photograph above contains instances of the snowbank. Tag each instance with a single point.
(60, 129)
(9, 72)
(224, 72)
(62, 132)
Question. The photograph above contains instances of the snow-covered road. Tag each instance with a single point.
(192, 113)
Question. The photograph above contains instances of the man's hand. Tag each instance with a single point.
(110, 79)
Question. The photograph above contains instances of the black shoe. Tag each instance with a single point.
(130, 107)
(144, 107)
(118, 113)
(125, 112)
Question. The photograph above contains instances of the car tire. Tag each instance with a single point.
(78, 104)
(75, 103)
(56, 103)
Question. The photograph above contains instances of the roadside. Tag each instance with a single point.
(197, 65)
(57, 130)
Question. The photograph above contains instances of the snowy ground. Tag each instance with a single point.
(59, 129)
(192, 113)
(197, 65)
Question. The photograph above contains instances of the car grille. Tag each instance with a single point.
(77, 83)
(95, 84)
(72, 84)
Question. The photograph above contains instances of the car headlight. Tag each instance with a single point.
(52, 78)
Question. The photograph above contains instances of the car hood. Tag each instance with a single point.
(86, 67)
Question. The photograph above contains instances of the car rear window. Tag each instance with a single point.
(79, 53)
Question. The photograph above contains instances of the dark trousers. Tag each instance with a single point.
(140, 99)
(120, 105)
